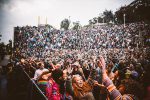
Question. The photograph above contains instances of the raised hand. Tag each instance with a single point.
(101, 63)
(69, 69)
(97, 84)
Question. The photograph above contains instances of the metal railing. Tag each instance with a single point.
(35, 92)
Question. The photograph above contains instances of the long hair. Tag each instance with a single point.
(80, 91)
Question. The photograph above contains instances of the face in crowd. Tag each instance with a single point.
(64, 77)
(41, 65)
(46, 76)
(77, 80)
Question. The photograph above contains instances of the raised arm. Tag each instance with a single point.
(114, 93)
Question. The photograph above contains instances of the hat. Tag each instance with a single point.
(128, 73)
(134, 74)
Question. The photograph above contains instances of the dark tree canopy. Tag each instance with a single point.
(65, 24)
(76, 25)
(138, 10)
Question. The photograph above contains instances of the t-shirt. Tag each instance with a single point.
(38, 72)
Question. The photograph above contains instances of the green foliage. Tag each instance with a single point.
(5, 49)
(90, 22)
(9, 47)
(65, 24)
(108, 16)
(100, 20)
(76, 25)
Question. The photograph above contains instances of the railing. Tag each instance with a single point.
(34, 92)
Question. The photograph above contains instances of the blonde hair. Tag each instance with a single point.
(80, 90)
(75, 76)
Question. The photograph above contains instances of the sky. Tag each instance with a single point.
(25, 12)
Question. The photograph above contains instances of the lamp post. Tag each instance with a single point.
(69, 22)
(124, 17)
(103, 19)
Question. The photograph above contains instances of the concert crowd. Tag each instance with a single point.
(97, 62)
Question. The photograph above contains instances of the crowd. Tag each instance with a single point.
(98, 62)
(40, 41)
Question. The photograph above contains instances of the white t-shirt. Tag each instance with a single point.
(38, 72)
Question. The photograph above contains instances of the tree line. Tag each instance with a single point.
(137, 11)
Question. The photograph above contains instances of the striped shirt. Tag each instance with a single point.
(114, 93)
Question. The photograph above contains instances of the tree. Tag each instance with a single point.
(0, 37)
(135, 12)
(108, 16)
(2, 50)
(95, 20)
(100, 20)
(65, 24)
(90, 22)
(9, 47)
(76, 25)
(119, 14)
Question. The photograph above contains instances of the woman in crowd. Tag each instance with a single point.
(77, 70)
(82, 90)
(58, 88)
(53, 86)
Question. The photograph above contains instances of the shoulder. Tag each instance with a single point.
(37, 70)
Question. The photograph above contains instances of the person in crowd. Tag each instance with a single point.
(126, 57)
(77, 69)
(58, 88)
(43, 80)
(82, 90)
(130, 90)
(39, 71)
(53, 86)
(86, 70)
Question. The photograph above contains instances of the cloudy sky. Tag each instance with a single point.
(25, 12)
